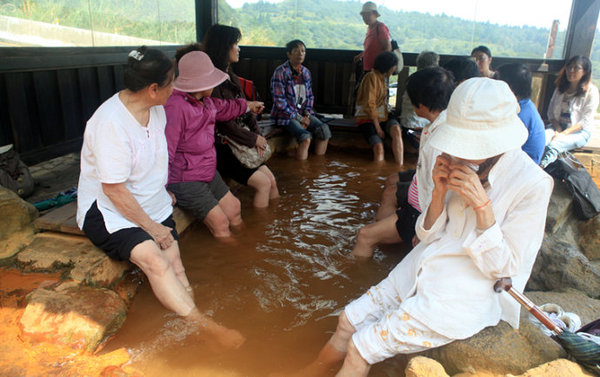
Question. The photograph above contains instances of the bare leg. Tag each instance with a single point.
(388, 203)
(217, 222)
(321, 147)
(260, 182)
(383, 231)
(378, 152)
(397, 145)
(165, 284)
(332, 353)
(170, 291)
(354, 365)
(174, 259)
(232, 208)
(302, 150)
(274, 193)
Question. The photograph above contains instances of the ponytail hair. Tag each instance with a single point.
(146, 66)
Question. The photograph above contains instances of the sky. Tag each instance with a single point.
(539, 13)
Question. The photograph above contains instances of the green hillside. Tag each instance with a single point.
(319, 23)
(337, 24)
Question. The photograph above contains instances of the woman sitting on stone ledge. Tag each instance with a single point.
(123, 206)
(485, 221)
(571, 109)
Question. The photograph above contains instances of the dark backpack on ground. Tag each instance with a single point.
(14, 174)
(583, 189)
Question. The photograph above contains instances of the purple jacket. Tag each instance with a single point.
(190, 134)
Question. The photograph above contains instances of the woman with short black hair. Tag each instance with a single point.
(372, 115)
(518, 78)
(122, 205)
(483, 57)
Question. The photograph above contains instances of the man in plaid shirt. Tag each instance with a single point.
(291, 88)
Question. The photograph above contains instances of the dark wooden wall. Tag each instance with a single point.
(48, 94)
(330, 71)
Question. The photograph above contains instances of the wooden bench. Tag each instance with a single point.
(345, 135)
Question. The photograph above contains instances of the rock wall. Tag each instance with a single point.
(570, 254)
(16, 223)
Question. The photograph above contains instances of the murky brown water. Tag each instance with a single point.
(282, 285)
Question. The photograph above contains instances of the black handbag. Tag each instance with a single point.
(583, 189)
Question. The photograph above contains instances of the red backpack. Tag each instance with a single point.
(249, 89)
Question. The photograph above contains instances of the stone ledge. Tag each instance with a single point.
(75, 256)
(502, 350)
(80, 317)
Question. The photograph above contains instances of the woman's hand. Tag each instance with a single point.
(415, 241)
(440, 173)
(256, 107)
(465, 182)
(161, 235)
(261, 145)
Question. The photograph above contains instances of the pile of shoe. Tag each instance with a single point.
(565, 320)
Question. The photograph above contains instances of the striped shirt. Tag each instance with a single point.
(413, 194)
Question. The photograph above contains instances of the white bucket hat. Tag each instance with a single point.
(481, 121)
(368, 7)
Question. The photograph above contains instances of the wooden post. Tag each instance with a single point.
(582, 26)
(207, 12)
(551, 40)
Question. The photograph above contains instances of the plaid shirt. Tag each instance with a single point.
(284, 97)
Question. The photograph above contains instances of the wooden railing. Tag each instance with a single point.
(48, 94)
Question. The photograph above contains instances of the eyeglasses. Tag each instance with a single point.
(575, 68)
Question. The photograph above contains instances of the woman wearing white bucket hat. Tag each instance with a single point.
(486, 220)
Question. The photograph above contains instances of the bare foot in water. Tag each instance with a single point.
(229, 338)
(224, 337)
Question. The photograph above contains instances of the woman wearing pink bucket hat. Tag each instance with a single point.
(191, 116)
(486, 220)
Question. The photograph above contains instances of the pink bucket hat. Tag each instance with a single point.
(197, 73)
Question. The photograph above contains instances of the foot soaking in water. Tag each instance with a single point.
(281, 286)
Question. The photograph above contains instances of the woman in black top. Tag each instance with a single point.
(221, 44)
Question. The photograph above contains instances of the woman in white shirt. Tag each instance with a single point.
(485, 221)
(122, 205)
(571, 110)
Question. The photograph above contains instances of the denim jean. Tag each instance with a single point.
(317, 128)
(562, 144)
(370, 133)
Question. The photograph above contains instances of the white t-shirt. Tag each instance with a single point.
(117, 149)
